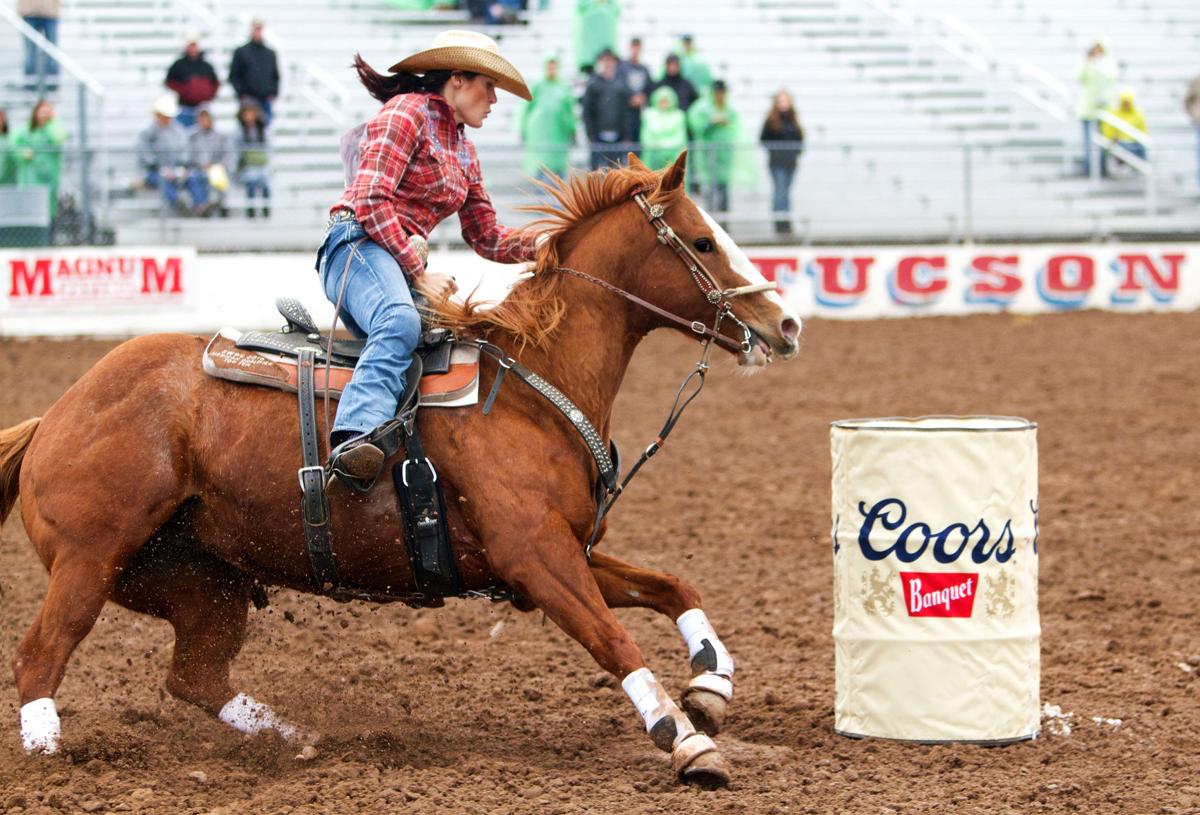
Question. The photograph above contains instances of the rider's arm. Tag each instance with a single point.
(488, 238)
(391, 139)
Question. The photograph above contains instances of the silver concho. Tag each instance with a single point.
(656, 210)
(576, 415)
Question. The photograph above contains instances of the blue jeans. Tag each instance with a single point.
(48, 28)
(170, 189)
(781, 182)
(197, 187)
(378, 305)
(1088, 126)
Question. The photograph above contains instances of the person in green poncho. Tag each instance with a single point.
(593, 29)
(38, 152)
(716, 128)
(664, 129)
(548, 125)
(8, 162)
(693, 68)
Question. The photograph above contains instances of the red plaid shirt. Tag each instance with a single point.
(416, 167)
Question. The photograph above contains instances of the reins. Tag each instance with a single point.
(608, 493)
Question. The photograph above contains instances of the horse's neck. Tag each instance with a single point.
(587, 354)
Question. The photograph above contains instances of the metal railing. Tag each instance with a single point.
(861, 190)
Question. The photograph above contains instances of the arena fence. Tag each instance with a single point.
(862, 190)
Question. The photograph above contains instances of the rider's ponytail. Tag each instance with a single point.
(384, 86)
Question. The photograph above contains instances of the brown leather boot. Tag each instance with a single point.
(359, 460)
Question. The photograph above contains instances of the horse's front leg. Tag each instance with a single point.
(624, 585)
(554, 575)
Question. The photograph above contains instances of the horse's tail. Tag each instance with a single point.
(13, 442)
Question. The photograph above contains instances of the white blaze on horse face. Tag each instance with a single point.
(742, 265)
(246, 715)
(655, 704)
(41, 729)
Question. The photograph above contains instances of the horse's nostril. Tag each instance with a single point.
(790, 328)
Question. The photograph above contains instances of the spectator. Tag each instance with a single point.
(715, 127)
(42, 16)
(605, 110)
(39, 152)
(251, 147)
(694, 69)
(8, 161)
(664, 129)
(1191, 104)
(209, 161)
(783, 138)
(193, 79)
(672, 78)
(593, 30)
(548, 125)
(254, 73)
(1129, 113)
(636, 78)
(162, 153)
(1096, 76)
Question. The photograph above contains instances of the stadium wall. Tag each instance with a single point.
(133, 290)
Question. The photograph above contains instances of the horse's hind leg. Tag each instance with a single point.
(624, 585)
(74, 598)
(206, 601)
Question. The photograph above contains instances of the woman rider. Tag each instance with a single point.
(408, 169)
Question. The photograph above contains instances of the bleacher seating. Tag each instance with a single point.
(909, 137)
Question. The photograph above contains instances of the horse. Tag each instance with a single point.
(172, 493)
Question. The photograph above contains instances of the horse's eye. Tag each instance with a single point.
(703, 244)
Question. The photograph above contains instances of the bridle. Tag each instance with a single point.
(720, 299)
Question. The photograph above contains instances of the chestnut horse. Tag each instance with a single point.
(172, 493)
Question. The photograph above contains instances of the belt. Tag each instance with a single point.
(340, 215)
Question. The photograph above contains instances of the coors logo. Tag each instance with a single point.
(939, 594)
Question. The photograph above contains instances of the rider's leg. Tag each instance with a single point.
(375, 303)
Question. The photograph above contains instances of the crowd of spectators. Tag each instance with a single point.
(624, 105)
(191, 160)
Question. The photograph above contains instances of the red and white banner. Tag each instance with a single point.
(135, 290)
(867, 282)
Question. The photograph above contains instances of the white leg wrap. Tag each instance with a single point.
(715, 683)
(699, 635)
(689, 749)
(245, 715)
(40, 726)
(655, 704)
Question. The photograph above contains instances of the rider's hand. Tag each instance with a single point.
(435, 286)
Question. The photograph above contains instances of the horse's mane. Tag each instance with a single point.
(534, 308)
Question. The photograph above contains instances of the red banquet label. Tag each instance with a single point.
(939, 594)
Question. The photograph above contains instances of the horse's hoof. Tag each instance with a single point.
(697, 762)
(706, 709)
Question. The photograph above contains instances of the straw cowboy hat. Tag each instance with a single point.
(466, 51)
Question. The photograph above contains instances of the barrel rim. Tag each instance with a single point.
(908, 423)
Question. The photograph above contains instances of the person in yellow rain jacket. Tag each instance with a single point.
(1131, 115)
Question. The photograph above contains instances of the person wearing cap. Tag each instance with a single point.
(254, 72)
(209, 161)
(1131, 115)
(162, 152)
(606, 113)
(408, 168)
(193, 79)
(673, 78)
(716, 127)
(694, 69)
(548, 125)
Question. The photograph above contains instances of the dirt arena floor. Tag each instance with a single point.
(479, 708)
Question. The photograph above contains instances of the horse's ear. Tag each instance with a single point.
(636, 163)
(673, 177)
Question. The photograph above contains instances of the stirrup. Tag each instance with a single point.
(357, 462)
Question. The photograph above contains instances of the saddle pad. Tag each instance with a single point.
(223, 359)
